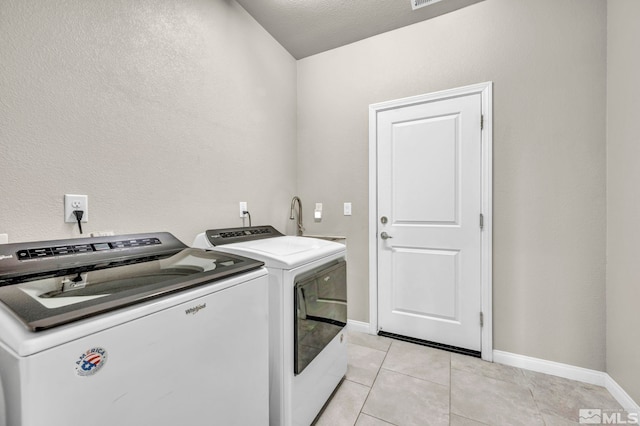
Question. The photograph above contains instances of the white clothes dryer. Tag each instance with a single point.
(307, 315)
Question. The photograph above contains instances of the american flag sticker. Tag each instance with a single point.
(91, 361)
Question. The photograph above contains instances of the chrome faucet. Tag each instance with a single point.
(293, 202)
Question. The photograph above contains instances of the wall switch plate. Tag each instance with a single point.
(4, 238)
(76, 202)
(243, 208)
(347, 209)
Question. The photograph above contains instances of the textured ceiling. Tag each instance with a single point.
(307, 27)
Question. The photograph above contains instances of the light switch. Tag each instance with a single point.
(347, 209)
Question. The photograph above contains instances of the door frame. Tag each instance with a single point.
(486, 91)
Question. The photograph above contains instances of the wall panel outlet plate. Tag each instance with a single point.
(76, 202)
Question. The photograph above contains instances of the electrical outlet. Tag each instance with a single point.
(76, 202)
(243, 208)
(4, 238)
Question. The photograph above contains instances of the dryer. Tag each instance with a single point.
(307, 315)
(131, 330)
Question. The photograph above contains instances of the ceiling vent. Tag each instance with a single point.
(417, 4)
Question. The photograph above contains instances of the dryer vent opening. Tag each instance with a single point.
(417, 4)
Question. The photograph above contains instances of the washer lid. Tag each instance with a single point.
(286, 252)
(66, 284)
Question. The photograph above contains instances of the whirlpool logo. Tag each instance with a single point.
(91, 361)
(194, 310)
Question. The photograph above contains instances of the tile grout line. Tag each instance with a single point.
(413, 377)
(430, 349)
(373, 383)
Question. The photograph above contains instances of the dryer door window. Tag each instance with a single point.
(320, 300)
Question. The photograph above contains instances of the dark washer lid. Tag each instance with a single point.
(80, 278)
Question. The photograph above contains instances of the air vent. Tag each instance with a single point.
(417, 4)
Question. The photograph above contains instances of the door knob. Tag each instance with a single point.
(385, 236)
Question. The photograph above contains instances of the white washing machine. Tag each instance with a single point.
(131, 330)
(307, 315)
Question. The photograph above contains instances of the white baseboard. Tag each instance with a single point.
(621, 396)
(594, 377)
(550, 367)
(359, 326)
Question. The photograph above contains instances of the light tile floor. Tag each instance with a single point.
(390, 382)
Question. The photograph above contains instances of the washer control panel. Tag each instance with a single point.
(219, 237)
(64, 250)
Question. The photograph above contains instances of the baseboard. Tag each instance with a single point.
(359, 326)
(585, 375)
(621, 396)
(550, 367)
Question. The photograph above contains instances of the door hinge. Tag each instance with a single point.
(481, 221)
(481, 319)
(481, 121)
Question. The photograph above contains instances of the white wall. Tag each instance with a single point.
(623, 201)
(547, 60)
(166, 113)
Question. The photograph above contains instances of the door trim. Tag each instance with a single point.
(485, 90)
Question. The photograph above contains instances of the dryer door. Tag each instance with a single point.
(320, 303)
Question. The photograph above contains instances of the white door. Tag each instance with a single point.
(429, 165)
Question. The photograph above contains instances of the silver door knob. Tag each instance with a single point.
(385, 236)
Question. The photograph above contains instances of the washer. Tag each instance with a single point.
(307, 315)
(131, 330)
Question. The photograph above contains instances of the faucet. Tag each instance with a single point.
(293, 202)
